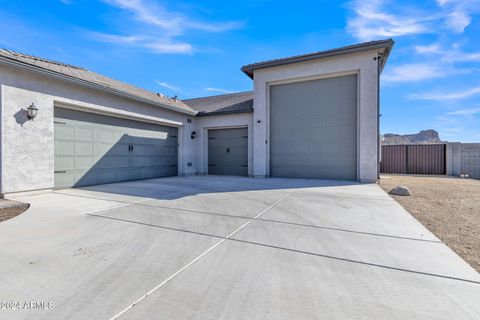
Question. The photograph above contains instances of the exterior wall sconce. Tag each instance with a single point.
(32, 112)
(193, 135)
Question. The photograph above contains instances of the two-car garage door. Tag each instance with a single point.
(313, 129)
(94, 149)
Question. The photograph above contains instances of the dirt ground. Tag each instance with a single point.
(449, 207)
(9, 213)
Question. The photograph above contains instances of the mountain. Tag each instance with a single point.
(423, 137)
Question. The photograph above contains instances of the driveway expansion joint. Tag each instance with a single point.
(154, 289)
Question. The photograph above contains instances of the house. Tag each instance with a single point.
(308, 116)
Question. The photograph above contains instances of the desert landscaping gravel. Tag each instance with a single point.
(9, 213)
(449, 207)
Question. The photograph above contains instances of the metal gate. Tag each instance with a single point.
(414, 159)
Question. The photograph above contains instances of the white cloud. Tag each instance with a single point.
(432, 48)
(458, 13)
(169, 47)
(218, 90)
(465, 112)
(413, 72)
(157, 28)
(440, 96)
(157, 46)
(117, 39)
(378, 18)
(453, 54)
(168, 86)
(371, 20)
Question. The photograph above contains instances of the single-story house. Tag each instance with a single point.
(309, 116)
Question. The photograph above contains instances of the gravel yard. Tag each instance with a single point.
(449, 207)
(8, 213)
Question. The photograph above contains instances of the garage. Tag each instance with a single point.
(93, 149)
(313, 129)
(228, 152)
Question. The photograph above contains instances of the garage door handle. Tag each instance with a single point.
(61, 171)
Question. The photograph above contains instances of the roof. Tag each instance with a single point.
(239, 102)
(379, 44)
(91, 79)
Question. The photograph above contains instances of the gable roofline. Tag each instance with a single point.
(386, 44)
(185, 109)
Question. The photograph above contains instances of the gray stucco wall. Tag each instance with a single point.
(362, 64)
(203, 124)
(463, 158)
(27, 146)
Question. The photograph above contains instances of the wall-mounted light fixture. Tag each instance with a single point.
(32, 112)
(193, 135)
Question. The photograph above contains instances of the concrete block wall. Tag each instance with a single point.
(463, 158)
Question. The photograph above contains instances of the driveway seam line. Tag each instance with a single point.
(354, 261)
(349, 231)
(171, 277)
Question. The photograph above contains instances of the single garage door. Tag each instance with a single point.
(228, 152)
(313, 129)
(93, 149)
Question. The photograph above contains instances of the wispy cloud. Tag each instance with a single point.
(413, 72)
(371, 20)
(465, 112)
(67, 2)
(218, 90)
(442, 95)
(451, 54)
(168, 86)
(156, 28)
(379, 18)
(458, 13)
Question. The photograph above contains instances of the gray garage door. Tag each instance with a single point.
(228, 152)
(313, 129)
(94, 149)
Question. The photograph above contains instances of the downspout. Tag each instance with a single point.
(379, 58)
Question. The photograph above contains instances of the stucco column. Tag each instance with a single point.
(260, 129)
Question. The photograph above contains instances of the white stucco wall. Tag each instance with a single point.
(27, 149)
(362, 64)
(203, 124)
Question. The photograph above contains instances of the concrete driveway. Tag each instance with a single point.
(228, 248)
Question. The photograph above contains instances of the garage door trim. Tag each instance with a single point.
(270, 84)
(205, 142)
(61, 122)
(117, 114)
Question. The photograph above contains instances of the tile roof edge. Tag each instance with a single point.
(359, 47)
(220, 95)
(93, 85)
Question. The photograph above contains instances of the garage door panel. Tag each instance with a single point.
(67, 133)
(83, 147)
(64, 162)
(228, 151)
(104, 135)
(94, 149)
(64, 147)
(313, 129)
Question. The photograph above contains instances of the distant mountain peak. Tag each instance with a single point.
(429, 136)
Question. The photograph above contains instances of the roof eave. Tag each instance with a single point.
(249, 69)
(91, 85)
(220, 113)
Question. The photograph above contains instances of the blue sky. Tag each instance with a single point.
(195, 48)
